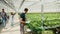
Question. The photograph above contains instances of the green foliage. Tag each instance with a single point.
(50, 19)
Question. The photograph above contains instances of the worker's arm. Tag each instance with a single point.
(21, 21)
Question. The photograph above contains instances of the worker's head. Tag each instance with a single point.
(2, 10)
(26, 10)
(11, 13)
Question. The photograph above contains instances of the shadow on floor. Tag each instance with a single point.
(1, 28)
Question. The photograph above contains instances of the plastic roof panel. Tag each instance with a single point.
(33, 5)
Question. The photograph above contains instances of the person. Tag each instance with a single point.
(0, 19)
(22, 20)
(12, 18)
(3, 15)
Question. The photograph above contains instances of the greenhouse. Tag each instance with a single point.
(43, 16)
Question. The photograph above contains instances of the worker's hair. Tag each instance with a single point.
(26, 9)
(2, 9)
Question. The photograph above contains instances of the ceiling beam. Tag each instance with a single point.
(21, 5)
(33, 4)
(10, 5)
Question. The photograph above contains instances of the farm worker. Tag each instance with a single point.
(12, 18)
(3, 15)
(0, 19)
(22, 20)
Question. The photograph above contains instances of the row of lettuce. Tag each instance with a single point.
(50, 19)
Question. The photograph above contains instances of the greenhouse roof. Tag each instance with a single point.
(32, 5)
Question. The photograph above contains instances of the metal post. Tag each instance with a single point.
(42, 17)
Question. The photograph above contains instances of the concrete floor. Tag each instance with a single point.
(11, 30)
